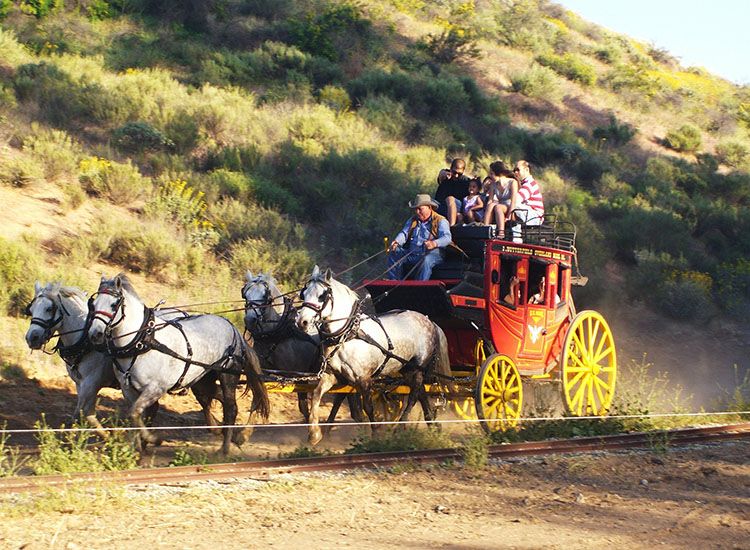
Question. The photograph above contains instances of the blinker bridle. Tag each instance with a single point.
(324, 298)
(107, 317)
(48, 325)
(257, 306)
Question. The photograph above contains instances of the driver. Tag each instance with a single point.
(419, 242)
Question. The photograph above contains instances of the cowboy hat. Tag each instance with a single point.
(423, 199)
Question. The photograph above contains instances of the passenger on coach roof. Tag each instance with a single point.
(417, 247)
(472, 207)
(502, 197)
(453, 186)
(530, 207)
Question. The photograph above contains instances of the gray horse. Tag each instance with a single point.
(360, 348)
(57, 308)
(155, 356)
(281, 346)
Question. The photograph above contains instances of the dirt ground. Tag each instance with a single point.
(697, 498)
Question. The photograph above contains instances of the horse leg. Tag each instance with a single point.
(204, 391)
(303, 403)
(147, 401)
(364, 387)
(326, 382)
(415, 387)
(228, 384)
(86, 406)
(355, 407)
(337, 400)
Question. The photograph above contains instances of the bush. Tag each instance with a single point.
(615, 133)
(400, 439)
(56, 151)
(570, 66)
(732, 153)
(120, 183)
(20, 171)
(451, 45)
(538, 82)
(290, 266)
(69, 452)
(387, 115)
(176, 201)
(17, 269)
(685, 139)
(137, 137)
(336, 98)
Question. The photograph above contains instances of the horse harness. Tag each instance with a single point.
(350, 331)
(145, 341)
(269, 339)
(74, 353)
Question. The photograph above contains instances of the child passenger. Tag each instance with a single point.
(472, 207)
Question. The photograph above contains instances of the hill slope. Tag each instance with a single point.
(189, 141)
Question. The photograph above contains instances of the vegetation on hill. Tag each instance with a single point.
(271, 134)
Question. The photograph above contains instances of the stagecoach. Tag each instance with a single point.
(506, 328)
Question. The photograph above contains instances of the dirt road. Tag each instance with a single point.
(697, 498)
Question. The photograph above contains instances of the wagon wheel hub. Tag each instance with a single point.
(595, 369)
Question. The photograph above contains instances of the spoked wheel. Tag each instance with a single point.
(464, 407)
(388, 406)
(588, 365)
(499, 394)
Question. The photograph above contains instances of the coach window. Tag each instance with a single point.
(509, 283)
(537, 272)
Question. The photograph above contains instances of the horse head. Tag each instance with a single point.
(317, 300)
(260, 294)
(107, 307)
(46, 311)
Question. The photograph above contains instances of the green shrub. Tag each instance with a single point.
(68, 452)
(685, 139)
(332, 32)
(537, 81)
(20, 171)
(336, 98)
(615, 133)
(452, 44)
(137, 137)
(226, 183)
(400, 439)
(56, 151)
(387, 115)
(17, 269)
(40, 8)
(475, 452)
(120, 183)
(7, 97)
(290, 266)
(732, 153)
(176, 201)
(184, 458)
(570, 66)
(10, 457)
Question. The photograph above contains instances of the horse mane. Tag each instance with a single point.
(126, 284)
(65, 291)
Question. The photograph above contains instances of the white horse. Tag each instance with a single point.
(359, 348)
(281, 346)
(56, 308)
(154, 356)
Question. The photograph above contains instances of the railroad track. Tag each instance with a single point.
(266, 469)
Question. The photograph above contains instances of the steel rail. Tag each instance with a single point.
(267, 468)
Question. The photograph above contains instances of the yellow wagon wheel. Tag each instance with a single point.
(499, 394)
(388, 406)
(588, 365)
(464, 407)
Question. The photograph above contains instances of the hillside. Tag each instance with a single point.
(186, 142)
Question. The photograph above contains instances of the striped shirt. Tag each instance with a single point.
(531, 195)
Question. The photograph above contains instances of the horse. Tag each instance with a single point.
(281, 346)
(154, 356)
(63, 309)
(57, 308)
(359, 348)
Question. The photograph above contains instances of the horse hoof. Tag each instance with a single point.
(315, 437)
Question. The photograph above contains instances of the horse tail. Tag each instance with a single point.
(441, 359)
(253, 372)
